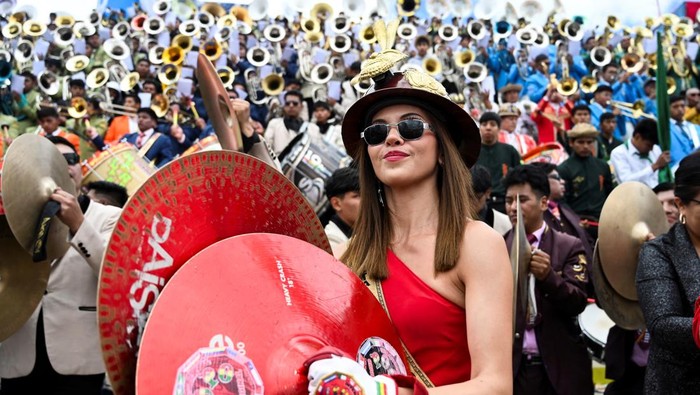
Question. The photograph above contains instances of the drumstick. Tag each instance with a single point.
(6, 131)
(175, 113)
(219, 108)
(194, 110)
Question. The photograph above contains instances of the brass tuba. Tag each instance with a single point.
(407, 7)
(432, 65)
(78, 107)
(322, 73)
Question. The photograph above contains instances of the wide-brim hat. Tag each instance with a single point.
(511, 88)
(582, 130)
(509, 110)
(419, 89)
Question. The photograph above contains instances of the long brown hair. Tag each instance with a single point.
(366, 252)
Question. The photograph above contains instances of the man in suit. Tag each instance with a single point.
(548, 355)
(559, 216)
(57, 351)
(152, 145)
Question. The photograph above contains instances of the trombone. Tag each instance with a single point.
(117, 109)
(633, 110)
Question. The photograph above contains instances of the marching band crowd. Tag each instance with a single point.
(581, 100)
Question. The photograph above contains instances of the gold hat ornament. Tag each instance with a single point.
(411, 86)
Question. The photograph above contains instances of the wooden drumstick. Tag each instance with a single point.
(195, 113)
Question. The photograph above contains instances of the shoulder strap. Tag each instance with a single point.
(146, 147)
(376, 288)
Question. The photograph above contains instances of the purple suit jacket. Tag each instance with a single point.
(561, 297)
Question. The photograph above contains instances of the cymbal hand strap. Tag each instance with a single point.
(41, 233)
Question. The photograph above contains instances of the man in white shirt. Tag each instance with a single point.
(640, 158)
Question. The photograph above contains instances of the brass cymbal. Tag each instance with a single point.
(630, 213)
(627, 314)
(520, 255)
(22, 282)
(33, 169)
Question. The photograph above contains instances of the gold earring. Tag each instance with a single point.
(682, 219)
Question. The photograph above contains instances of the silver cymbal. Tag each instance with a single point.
(32, 170)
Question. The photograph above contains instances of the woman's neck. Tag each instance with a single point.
(414, 210)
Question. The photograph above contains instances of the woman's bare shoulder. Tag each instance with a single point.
(481, 243)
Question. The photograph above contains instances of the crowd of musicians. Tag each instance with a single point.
(579, 98)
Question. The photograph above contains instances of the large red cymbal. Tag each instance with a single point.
(186, 206)
(274, 297)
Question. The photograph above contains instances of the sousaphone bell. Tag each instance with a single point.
(97, 78)
(33, 28)
(12, 30)
(154, 26)
(340, 43)
(258, 56)
(168, 74)
(116, 49)
(77, 63)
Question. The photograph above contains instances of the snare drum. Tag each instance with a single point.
(209, 143)
(308, 164)
(121, 165)
(595, 325)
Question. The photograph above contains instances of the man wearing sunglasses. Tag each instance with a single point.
(58, 348)
(281, 131)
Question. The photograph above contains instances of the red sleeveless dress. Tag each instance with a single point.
(433, 328)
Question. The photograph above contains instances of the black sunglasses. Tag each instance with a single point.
(409, 129)
(555, 177)
(291, 103)
(72, 158)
